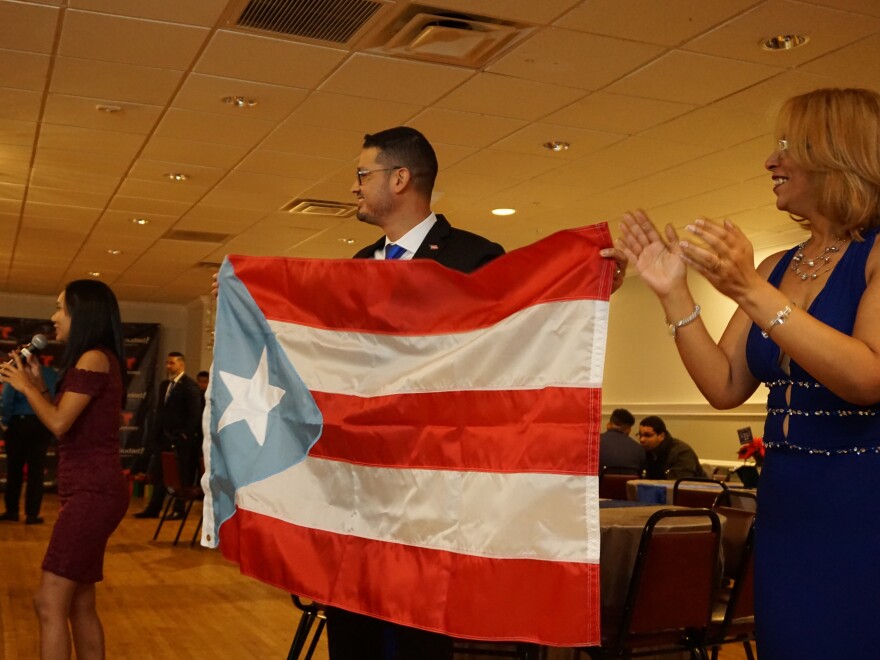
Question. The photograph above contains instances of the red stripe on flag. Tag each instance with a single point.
(463, 595)
(560, 267)
(555, 430)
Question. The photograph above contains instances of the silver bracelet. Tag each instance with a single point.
(690, 318)
(781, 317)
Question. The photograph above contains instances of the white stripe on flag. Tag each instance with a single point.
(489, 514)
(364, 364)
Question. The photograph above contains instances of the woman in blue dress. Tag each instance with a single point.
(807, 327)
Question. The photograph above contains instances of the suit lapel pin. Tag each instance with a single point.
(433, 246)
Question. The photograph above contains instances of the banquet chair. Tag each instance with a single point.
(668, 606)
(612, 482)
(311, 612)
(733, 614)
(177, 492)
(703, 498)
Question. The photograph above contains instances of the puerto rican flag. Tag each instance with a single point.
(416, 444)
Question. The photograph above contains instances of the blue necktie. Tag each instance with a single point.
(393, 251)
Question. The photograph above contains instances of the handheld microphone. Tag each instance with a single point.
(38, 343)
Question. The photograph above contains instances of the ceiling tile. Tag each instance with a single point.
(218, 218)
(83, 112)
(206, 93)
(101, 164)
(349, 112)
(129, 40)
(384, 78)
(36, 215)
(11, 192)
(117, 224)
(208, 127)
(155, 171)
(17, 133)
(252, 182)
(668, 23)
(618, 114)
(203, 12)
(249, 57)
(503, 96)
(73, 138)
(64, 178)
(23, 70)
(41, 24)
(740, 38)
(574, 59)
(207, 154)
(237, 199)
(145, 207)
(869, 7)
(299, 166)
(293, 137)
(701, 127)
(692, 78)
(114, 82)
(463, 128)
(517, 168)
(738, 163)
(158, 190)
(531, 140)
(68, 197)
(842, 66)
(766, 97)
(19, 104)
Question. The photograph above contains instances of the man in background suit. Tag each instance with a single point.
(618, 452)
(176, 428)
(393, 184)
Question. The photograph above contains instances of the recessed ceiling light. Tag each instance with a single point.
(556, 145)
(503, 211)
(347, 241)
(239, 101)
(109, 109)
(140, 221)
(94, 273)
(177, 177)
(784, 42)
(114, 251)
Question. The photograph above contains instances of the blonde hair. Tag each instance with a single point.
(835, 135)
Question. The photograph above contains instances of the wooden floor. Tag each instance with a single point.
(157, 601)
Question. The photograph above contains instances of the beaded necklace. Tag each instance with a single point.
(816, 263)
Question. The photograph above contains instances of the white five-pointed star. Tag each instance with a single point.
(252, 399)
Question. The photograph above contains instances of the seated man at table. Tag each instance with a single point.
(618, 452)
(668, 457)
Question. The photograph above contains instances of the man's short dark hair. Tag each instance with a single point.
(203, 374)
(655, 423)
(622, 417)
(406, 147)
(177, 354)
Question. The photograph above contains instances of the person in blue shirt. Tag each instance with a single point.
(27, 442)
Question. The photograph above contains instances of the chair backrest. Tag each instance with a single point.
(612, 485)
(171, 472)
(740, 610)
(701, 498)
(737, 498)
(673, 578)
(737, 527)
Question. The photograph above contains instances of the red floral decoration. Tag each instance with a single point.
(753, 449)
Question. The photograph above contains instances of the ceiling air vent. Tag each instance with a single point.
(320, 207)
(451, 38)
(196, 236)
(336, 21)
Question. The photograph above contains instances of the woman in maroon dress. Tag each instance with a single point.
(85, 416)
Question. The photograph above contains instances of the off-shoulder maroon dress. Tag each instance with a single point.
(93, 493)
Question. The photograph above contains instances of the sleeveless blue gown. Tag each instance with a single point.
(817, 535)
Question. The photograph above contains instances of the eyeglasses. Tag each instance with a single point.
(782, 145)
(362, 173)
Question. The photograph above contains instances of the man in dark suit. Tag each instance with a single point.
(394, 180)
(618, 452)
(176, 428)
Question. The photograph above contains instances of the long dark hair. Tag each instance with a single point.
(94, 323)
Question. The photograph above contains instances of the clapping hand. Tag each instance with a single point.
(660, 263)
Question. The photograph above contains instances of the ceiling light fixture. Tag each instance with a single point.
(177, 177)
(784, 42)
(239, 101)
(94, 273)
(140, 221)
(109, 109)
(503, 211)
(114, 251)
(347, 241)
(556, 145)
